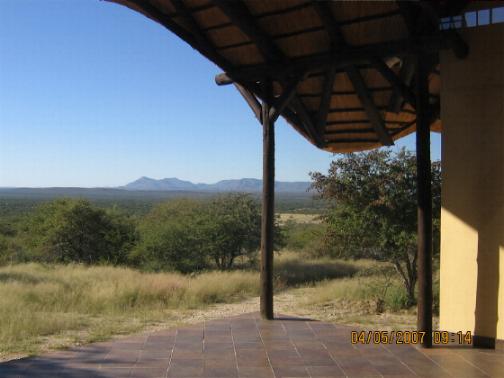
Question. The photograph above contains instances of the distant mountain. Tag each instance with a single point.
(240, 185)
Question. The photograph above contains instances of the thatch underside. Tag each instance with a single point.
(351, 64)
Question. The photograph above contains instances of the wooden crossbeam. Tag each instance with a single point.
(367, 101)
(341, 59)
(431, 16)
(406, 74)
(409, 16)
(402, 89)
(325, 100)
(238, 13)
(338, 43)
(305, 118)
(251, 100)
(288, 113)
(324, 11)
(283, 101)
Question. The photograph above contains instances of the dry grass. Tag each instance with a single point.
(56, 306)
(298, 218)
(294, 269)
(95, 302)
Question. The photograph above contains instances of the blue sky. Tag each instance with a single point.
(94, 94)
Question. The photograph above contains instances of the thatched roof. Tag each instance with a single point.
(350, 64)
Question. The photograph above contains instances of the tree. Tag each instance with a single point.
(171, 237)
(233, 229)
(187, 235)
(75, 231)
(374, 209)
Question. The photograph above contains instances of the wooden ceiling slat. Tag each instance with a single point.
(345, 93)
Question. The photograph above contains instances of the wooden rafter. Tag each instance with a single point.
(367, 101)
(338, 43)
(288, 113)
(354, 55)
(402, 89)
(459, 47)
(306, 119)
(406, 74)
(325, 100)
(324, 11)
(409, 16)
(281, 102)
(239, 14)
(251, 100)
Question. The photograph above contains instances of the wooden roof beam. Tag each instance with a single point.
(409, 16)
(305, 118)
(338, 42)
(281, 102)
(288, 113)
(239, 14)
(201, 38)
(402, 89)
(324, 11)
(406, 74)
(457, 44)
(339, 59)
(325, 100)
(251, 100)
(372, 112)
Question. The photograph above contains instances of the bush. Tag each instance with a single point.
(189, 235)
(75, 231)
(232, 229)
(306, 238)
(291, 270)
(171, 237)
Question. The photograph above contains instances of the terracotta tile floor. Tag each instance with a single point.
(246, 346)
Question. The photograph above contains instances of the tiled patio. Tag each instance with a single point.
(246, 346)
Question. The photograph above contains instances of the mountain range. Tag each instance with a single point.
(239, 185)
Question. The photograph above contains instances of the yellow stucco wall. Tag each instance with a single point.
(472, 218)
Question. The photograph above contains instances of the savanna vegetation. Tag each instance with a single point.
(77, 270)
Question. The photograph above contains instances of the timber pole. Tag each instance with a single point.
(268, 204)
(424, 196)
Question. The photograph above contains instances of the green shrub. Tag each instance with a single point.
(71, 230)
(171, 237)
(304, 237)
(188, 235)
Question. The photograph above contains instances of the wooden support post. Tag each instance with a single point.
(268, 204)
(424, 195)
